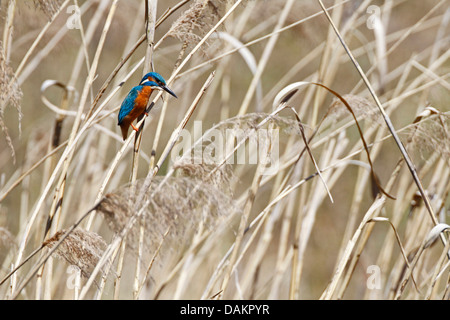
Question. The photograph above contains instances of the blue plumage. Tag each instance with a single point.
(135, 103)
(155, 76)
(128, 103)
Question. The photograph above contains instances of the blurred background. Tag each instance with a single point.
(402, 46)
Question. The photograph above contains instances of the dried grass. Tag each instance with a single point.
(182, 205)
(10, 94)
(199, 169)
(362, 108)
(195, 22)
(432, 135)
(81, 248)
(48, 7)
(202, 226)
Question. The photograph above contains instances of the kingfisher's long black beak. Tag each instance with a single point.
(166, 88)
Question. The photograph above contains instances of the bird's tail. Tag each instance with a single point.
(124, 131)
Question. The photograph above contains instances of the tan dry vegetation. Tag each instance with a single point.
(164, 214)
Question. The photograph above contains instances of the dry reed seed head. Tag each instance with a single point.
(209, 173)
(233, 130)
(242, 132)
(10, 94)
(196, 21)
(49, 7)
(10, 91)
(432, 135)
(250, 121)
(176, 205)
(286, 125)
(81, 248)
(361, 107)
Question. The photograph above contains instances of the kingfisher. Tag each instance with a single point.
(135, 104)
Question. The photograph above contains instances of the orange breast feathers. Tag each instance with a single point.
(142, 99)
(140, 103)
